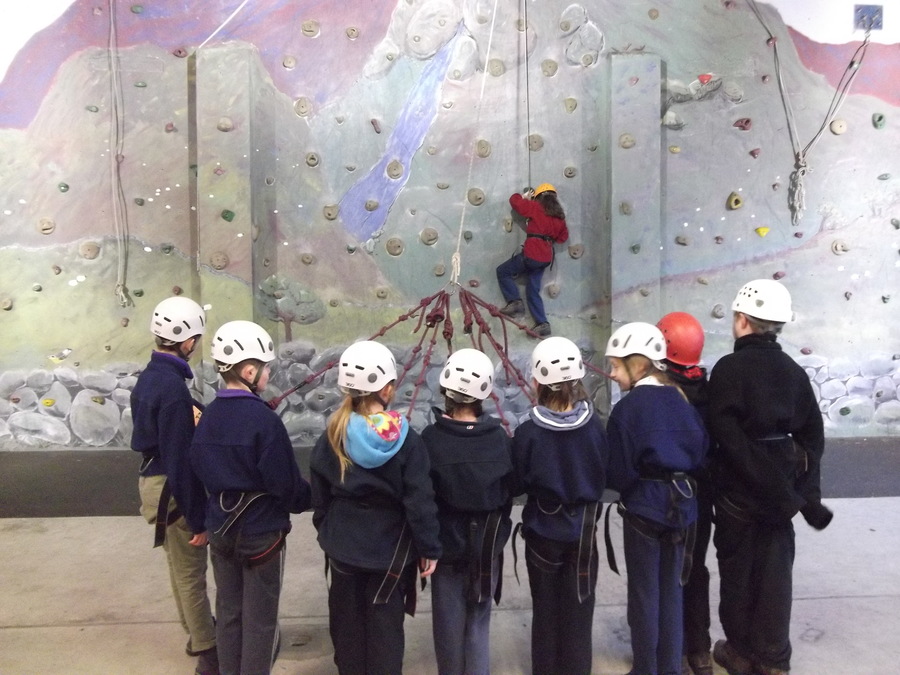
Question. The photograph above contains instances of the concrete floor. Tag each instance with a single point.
(90, 596)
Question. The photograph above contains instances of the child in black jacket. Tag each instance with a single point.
(375, 514)
(560, 455)
(244, 456)
(769, 435)
(471, 469)
(657, 441)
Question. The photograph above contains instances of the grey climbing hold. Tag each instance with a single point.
(838, 127)
(635, 248)
(703, 281)
(570, 172)
(879, 120)
(352, 32)
(92, 108)
(896, 223)
(553, 290)
(443, 186)
(381, 293)
(653, 14)
(439, 270)
(549, 67)
(46, 226)
(535, 142)
(508, 224)
(63, 187)
(376, 125)
(734, 201)
(312, 159)
(625, 208)
(140, 84)
(308, 259)
(371, 204)
(884, 176)
(310, 28)
(570, 104)
(394, 246)
(839, 247)
(733, 92)
(496, 67)
(225, 124)
(289, 62)
(303, 106)
(89, 250)
(330, 211)
(718, 311)
(428, 236)
(626, 141)
(475, 196)
(467, 235)
(219, 260)
(483, 148)
(682, 240)
(645, 292)
(576, 251)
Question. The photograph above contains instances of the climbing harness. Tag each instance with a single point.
(796, 187)
(237, 510)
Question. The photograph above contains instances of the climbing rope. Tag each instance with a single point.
(117, 144)
(796, 186)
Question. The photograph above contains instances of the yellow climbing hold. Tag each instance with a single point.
(49, 402)
(762, 231)
(734, 201)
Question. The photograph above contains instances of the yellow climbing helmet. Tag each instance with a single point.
(543, 187)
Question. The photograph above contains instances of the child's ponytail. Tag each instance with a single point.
(336, 429)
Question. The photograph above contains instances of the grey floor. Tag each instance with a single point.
(88, 595)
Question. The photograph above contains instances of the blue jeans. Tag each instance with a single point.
(654, 602)
(515, 266)
(461, 627)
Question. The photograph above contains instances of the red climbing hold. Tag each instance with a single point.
(705, 78)
(743, 124)
(771, 41)
(754, 153)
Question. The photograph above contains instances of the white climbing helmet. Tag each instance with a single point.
(638, 338)
(178, 319)
(555, 360)
(237, 341)
(470, 373)
(366, 367)
(764, 299)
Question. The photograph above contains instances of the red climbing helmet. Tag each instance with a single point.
(684, 338)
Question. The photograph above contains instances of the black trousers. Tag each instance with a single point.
(560, 624)
(696, 591)
(756, 563)
(368, 638)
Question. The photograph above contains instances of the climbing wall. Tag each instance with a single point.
(318, 168)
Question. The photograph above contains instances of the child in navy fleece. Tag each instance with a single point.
(656, 440)
(244, 457)
(172, 497)
(560, 455)
(374, 512)
(472, 471)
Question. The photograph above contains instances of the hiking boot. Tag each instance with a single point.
(730, 660)
(208, 662)
(700, 663)
(514, 308)
(542, 329)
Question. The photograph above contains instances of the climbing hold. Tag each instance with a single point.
(884, 176)
(467, 235)
(57, 270)
(839, 247)
(507, 224)
(352, 32)
(312, 159)
(496, 67)
(137, 9)
(744, 124)
(89, 250)
(885, 299)
(896, 223)
(475, 196)
(766, 79)
(270, 180)
(381, 293)
(645, 292)
(635, 248)
(704, 78)
(177, 290)
(140, 84)
(350, 167)
(394, 169)
(633, 80)
(535, 142)
(170, 127)
(549, 67)
(806, 351)
(719, 239)
(848, 295)
(227, 215)
(289, 62)
(653, 14)
(570, 104)
(443, 186)
(838, 127)
(681, 240)
(310, 28)
(779, 275)
(718, 311)
(92, 108)
(878, 120)
(99, 400)
(6, 304)
(371, 204)
(483, 148)
(798, 235)
(734, 201)
(754, 153)
(553, 290)
(762, 231)
(302, 106)
(733, 92)
(439, 270)
(330, 211)
(138, 292)
(225, 124)
(37, 288)
(576, 251)
(219, 260)
(376, 125)
(775, 186)
(394, 246)
(703, 281)
(570, 172)
(124, 322)
(351, 249)
(626, 141)
(674, 149)
(771, 41)
(625, 208)
(474, 283)
(166, 248)
(48, 402)
(63, 187)
(180, 52)
(428, 236)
